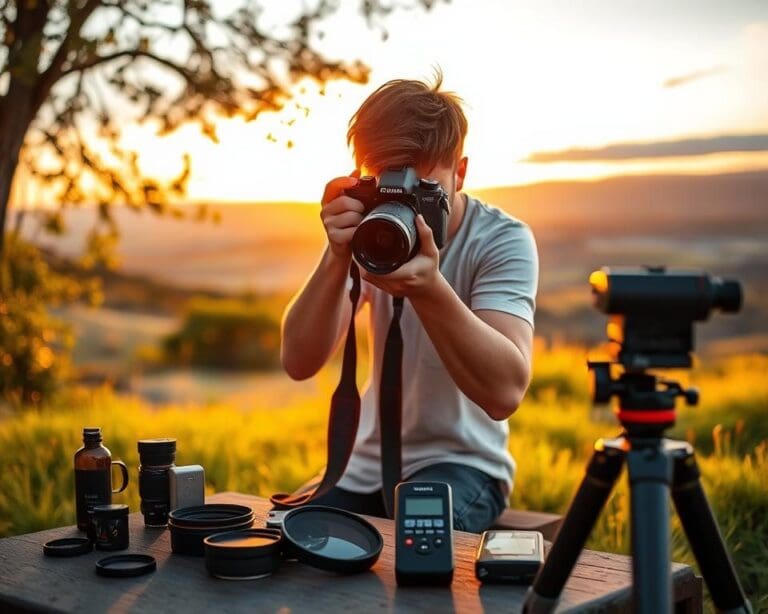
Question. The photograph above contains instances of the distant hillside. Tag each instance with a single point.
(693, 220)
(717, 223)
(653, 204)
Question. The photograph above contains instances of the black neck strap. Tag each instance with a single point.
(344, 417)
(345, 412)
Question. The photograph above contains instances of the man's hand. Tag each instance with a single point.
(418, 276)
(341, 215)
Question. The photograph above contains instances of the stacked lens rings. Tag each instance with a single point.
(189, 526)
(326, 538)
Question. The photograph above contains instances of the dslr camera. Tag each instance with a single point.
(387, 237)
(652, 311)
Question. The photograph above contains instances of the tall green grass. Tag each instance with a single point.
(261, 451)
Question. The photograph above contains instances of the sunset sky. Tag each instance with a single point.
(553, 90)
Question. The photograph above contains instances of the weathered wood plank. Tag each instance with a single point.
(31, 580)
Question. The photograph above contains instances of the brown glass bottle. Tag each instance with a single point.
(93, 475)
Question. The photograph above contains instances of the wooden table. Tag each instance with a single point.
(31, 581)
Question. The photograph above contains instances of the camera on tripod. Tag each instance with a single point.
(652, 311)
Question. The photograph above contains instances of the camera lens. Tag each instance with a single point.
(726, 295)
(386, 238)
(156, 456)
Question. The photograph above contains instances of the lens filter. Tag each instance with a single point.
(331, 539)
(243, 555)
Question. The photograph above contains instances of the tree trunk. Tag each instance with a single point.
(16, 109)
(22, 100)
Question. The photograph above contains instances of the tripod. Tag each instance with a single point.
(654, 464)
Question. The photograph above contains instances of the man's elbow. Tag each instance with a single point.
(296, 368)
(505, 404)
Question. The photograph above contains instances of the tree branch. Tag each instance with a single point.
(133, 54)
(53, 73)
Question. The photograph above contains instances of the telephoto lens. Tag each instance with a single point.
(156, 457)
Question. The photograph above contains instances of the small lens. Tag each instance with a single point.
(726, 295)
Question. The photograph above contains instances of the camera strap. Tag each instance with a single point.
(390, 408)
(344, 416)
(345, 413)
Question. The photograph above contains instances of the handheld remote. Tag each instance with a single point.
(423, 533)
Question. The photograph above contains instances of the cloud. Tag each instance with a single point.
(694, 76)
(656, 149)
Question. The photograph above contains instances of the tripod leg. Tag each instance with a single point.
(702, 532)
(650, 472)
(603, 470)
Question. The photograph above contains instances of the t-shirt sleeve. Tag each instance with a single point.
(508, 272)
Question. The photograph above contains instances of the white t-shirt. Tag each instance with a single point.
(491, 263)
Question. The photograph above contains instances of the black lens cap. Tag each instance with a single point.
(126, 565)
(331, 539)
(68, 546)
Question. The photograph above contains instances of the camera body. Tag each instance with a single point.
(652, 311)
(387, 237)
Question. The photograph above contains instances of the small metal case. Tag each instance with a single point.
(187, 486)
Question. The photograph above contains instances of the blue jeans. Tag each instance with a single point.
(477, 497)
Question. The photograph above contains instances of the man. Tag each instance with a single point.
(467, 319)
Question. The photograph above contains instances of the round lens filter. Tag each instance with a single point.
(331, 539)
(68, 546)
(243, 555)
(125, 565)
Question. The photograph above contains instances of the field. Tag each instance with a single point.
(264, 450)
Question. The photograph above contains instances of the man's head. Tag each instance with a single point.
(411, 123)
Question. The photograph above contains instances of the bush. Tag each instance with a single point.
(35, 347)
(226, 334)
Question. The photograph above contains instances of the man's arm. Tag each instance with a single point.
(487, 353)
(317, 316)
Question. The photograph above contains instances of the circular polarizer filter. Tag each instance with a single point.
(210, 515)
(68, 546)
(331, 539)
(125, 565)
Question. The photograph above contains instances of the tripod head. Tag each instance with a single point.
(652, 311)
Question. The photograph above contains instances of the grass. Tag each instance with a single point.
(262, 451)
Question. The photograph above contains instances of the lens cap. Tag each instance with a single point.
(126, 565)
(331, 539)
(68, 546)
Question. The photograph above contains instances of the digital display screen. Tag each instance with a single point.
(423, 506)
(500, 545)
